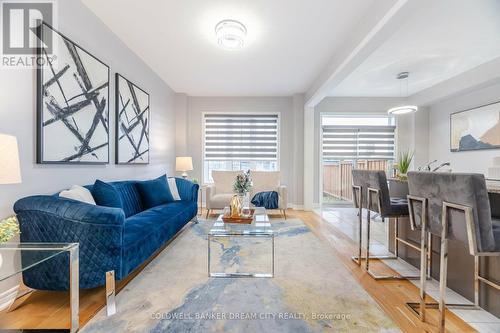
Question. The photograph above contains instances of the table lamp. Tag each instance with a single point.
(10, 170)
(184, 164)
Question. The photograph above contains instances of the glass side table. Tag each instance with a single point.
(34, 254)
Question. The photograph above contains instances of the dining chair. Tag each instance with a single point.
(453, 206)
(371, 192)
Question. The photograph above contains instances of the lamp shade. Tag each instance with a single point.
(10, 170)
(183, 163)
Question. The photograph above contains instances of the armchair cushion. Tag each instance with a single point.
(155, 192)
(219, 201)
(224, 180)
(264, 181)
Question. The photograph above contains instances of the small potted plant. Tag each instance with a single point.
(403, 165)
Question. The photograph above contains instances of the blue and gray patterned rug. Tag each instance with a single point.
(311, 291)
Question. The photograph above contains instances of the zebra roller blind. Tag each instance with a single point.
(360, 142)
(241, 137)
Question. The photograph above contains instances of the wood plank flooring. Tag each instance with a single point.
(51, 309)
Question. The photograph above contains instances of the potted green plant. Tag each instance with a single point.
(404, 162)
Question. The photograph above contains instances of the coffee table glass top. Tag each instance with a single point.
(36, 253)
(259, 226)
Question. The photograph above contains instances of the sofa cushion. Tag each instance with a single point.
(131, 199)
(106, 194)
(155, 192)
(78, 193)
(172, 185)
(147, 231)
(224, 180)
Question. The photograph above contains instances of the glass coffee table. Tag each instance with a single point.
(223, 232)
(33, 254)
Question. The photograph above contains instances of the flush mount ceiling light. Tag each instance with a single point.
(230, 34)
(403, 109)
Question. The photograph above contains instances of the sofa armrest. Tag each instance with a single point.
(209, 191)
(187, 189)
(282, 197)
(98, 230)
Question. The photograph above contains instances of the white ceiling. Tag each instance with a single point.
(444, 39)
(290, 42)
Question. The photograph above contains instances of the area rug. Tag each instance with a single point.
(311, 291)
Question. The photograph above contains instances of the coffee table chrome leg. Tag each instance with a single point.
(209, 273)
(74, 289)
(272, 275)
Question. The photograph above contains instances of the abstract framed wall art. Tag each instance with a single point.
(72, 103)
(475, 129)
(132, 123)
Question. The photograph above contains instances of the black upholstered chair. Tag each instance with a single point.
(370, 191)
(454, 206)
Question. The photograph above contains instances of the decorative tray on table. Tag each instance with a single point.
(242, 219)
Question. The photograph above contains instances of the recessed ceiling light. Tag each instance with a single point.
(230, 34)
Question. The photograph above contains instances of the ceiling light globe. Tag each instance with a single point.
(230, 34)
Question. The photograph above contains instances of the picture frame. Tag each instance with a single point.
(476, 128)
(72, 103)
(132, 126)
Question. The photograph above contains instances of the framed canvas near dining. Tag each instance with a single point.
(72, 103)
(475, 129)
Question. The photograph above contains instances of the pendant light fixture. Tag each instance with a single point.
(403, 109)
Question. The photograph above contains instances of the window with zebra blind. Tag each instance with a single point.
(240, 142)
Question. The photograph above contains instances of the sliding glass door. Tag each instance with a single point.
(347, 142)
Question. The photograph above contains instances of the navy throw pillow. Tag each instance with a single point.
(155, 192)
(106, 194)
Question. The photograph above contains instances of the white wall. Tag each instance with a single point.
(289, 109)
(18, 113)
(439, 136)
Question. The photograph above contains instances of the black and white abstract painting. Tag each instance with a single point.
(72, 104)
(132, 123)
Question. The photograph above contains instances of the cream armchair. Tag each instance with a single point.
(219, 194)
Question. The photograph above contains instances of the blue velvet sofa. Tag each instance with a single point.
(110, 238)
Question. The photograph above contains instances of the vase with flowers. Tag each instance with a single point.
(241, 186)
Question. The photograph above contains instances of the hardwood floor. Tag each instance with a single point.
(51, 309)
(390, 295)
